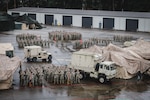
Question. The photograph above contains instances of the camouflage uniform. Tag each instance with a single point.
(62, 80)
(35, 80)
(22, 78)
(77, 76)
(41, 79)
(56, 77)
(26, 77)
(68, 76)
(72, 77)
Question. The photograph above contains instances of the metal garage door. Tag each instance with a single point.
(87, 22)
(33, 16)
(108, 23)
(67, 20)
(131, 24)
(49, 19)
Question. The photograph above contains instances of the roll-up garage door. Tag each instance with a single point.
(87, 22)
(108, 23)
(33, 16)
(131, 24)
(67, 20)
(49, 19)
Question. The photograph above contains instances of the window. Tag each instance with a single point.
(112, 67)
(107, 67)
(101, 66)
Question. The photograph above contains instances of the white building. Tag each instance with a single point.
(112, 20)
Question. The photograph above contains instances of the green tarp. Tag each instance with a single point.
(6, 22)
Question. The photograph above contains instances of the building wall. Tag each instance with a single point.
(144, 25)
(58, 19)
(77, 21)
(119, 22)
(98, 22)
(40, 17)
(147, 25)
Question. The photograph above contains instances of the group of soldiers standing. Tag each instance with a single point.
(31, 39)
(78, 44)
(122, 38)
(100, 41)
(38, 75)
(64, 36)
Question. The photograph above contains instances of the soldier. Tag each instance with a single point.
(41, 79)
(46, 75)
(38, 77)
(26, 77)
(20, 71)
(45, 43)
(49, 75)
(22, 79)
(68, 76)
(77, 76)
(139, 76)
(56, 77)
(44, 72)
(35, 80)
(31, 79)
(56, 41)
(48, 43)
(72, 76)
(52, 75)
(62, 77)
(65, 73)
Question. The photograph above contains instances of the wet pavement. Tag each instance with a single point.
(89, 89)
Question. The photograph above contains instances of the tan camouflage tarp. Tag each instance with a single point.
(7, 68)
(129, 60)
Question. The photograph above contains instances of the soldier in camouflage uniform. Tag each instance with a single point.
(26, 77)
(35, 79)
(41, 79)
(62, 80)
(72, 76)
(56, 77)
(22, 78)
(77, 77)
(68, 76)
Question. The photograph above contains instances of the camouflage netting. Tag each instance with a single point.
(129, 60)
(7, 68)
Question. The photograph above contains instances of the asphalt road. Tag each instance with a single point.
(89, 89)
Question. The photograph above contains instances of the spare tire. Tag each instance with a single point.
(102, 79)
(50, 58)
